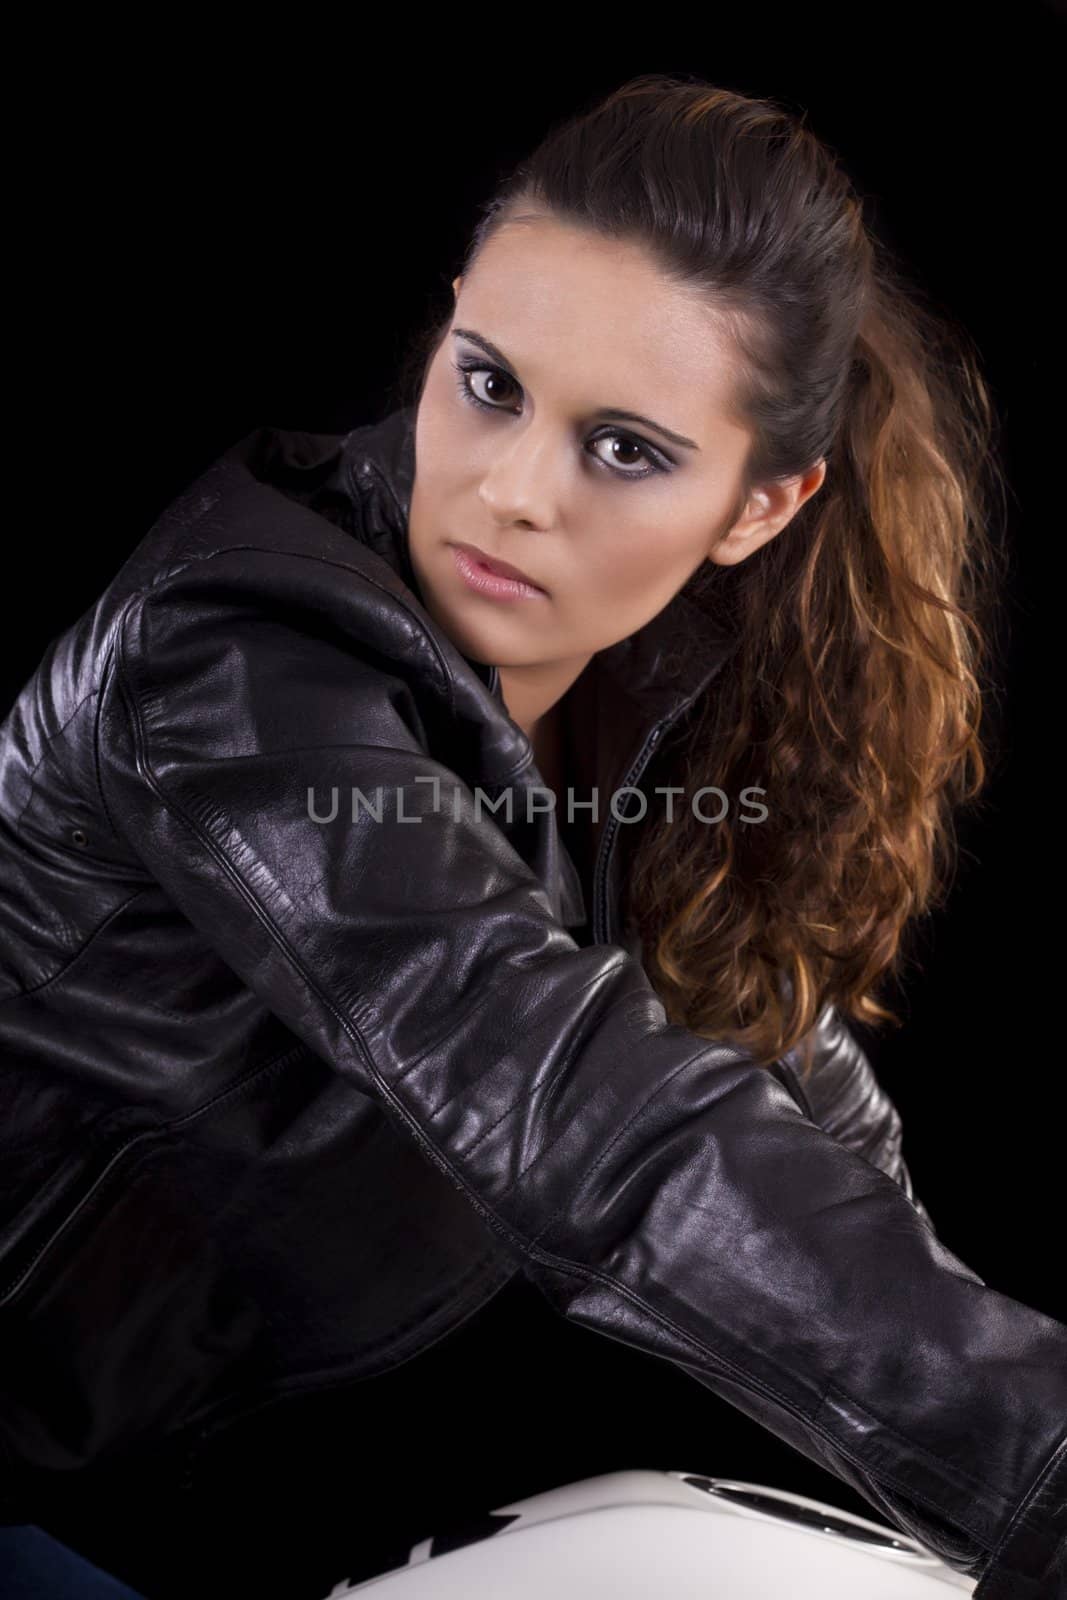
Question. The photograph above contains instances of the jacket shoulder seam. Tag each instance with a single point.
(297, 555)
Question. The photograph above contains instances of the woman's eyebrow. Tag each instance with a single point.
(610, 413)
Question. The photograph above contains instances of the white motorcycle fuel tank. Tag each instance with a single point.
(675, 1535)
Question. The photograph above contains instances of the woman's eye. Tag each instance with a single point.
(494, 377)
(494, 380)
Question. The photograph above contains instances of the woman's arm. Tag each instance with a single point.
(842, 1093)
(657, 1187)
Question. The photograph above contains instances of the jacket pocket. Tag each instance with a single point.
(88, 1367)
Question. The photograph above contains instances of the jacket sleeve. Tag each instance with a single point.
(656, 1186)
(841, 1092)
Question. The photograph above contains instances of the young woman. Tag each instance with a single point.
(320, 1025)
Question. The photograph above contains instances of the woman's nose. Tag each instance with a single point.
(519, 486)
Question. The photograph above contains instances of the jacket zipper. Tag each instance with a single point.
(603, 922)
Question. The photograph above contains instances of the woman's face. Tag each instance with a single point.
(609, 517)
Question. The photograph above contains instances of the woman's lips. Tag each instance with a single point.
(478, 572)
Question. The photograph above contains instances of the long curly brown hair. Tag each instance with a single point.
(866, 627)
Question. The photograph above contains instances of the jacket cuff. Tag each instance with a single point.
(1030, 1562)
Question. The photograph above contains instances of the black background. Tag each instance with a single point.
(211, 237)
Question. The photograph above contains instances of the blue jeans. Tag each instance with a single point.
(34, 1566)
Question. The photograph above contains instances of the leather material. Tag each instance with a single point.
(285, 1099)
(842, 1094)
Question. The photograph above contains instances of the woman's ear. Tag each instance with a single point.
(770, 508)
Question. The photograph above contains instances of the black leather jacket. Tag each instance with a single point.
(284, 1099)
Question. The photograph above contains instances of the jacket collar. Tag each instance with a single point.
(627, 688)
